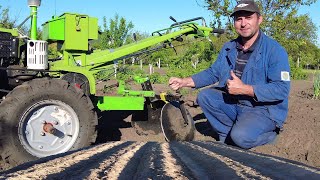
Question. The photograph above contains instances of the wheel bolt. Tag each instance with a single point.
(40, 147)
(55, 122)
(27, 132)
(43, 122)
(56, 108)
(42, 134)
(61, 141)
(68, 123)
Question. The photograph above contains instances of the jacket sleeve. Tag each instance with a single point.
(211, 75)
(277, 87)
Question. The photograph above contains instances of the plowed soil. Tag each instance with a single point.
(154, 160)
(132, 155)
(299, 140)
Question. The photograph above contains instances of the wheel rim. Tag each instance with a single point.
(48, 127)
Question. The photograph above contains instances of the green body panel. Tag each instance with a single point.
(13, 32)
(93, 28)
(120, 103)
(74, 29)
(76, 32)
(53, 29)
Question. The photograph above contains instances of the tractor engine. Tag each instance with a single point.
(20, 63)
(8, 49)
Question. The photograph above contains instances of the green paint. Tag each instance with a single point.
(120, 103)
(13, 32)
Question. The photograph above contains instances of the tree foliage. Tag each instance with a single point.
(297, 33)
(114, 33)
(5, 20)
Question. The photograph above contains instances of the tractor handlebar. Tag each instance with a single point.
(189, 20)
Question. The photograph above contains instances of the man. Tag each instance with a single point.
(250, 102)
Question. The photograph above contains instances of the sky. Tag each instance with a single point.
(146, 15)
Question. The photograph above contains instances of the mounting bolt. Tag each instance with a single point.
(61, 142)
(40, 147)
(27, 132)
(42, 134)
(56, 108)
(55, 122)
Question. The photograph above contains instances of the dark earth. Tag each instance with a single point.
(299, 141)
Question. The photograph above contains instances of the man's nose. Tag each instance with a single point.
(244, 23)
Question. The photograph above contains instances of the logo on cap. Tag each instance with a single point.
(242, 5)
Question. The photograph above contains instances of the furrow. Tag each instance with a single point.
(114, 171)
(151, 165)
(172, 167)
(266, 165)
(189, 158)
(42, 170)
(83, 169)
(109, 162)
(240, 169)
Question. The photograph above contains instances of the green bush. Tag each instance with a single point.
(316, 86)
(296, 72)
(157, 78)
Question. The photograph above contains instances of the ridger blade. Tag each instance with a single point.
(176, 122)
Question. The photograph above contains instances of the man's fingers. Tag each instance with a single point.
(233, 75)
(175, 87)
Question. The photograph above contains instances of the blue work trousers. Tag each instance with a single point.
(247, 126)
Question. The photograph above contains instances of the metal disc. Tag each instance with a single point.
(173, 124)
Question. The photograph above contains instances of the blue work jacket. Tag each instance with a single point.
(267, 70)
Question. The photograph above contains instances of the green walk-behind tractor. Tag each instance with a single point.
(49, 106)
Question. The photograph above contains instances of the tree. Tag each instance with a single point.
(270, 9)
(297, 33)
(114, 33)
(5, 20)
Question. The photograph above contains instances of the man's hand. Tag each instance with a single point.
(177, 83)
(236, 87)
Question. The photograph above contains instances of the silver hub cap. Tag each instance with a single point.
(48, 127)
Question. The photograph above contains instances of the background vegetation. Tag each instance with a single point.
(297, 33)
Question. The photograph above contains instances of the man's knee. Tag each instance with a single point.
(242, 138)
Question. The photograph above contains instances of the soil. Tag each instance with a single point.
(298, 141)
(133, 154)
(154, 160)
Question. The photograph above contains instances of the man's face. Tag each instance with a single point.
(247, 23)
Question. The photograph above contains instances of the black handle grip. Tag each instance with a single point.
(219, 31)
(186, 21)
(173, 19)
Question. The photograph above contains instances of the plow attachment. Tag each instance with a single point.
(166, 115)
(176, 122)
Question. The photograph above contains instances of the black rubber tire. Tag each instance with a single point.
(29, 93)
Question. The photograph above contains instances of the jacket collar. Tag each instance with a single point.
(231, 49)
